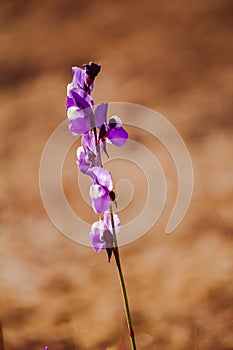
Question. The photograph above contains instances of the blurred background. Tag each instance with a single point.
(176, 58)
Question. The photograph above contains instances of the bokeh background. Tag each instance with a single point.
(174, 57)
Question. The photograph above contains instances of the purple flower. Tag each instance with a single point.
(112, 132)
(76, 93)
(88, 140)
(100, 114)
(79, 79)
(79, 117)
(86, 160)
(115, 133)
(101, 234)
(79, 103)
(79, 120)
(101, 189)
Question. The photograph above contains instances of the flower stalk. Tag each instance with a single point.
(116, 254)
(96, 132)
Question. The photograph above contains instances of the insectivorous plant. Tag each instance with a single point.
(97, 132)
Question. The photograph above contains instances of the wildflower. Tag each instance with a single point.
(101, 189)
(86, 160)
(96, 132)
(83, 82)
(88, 141)
(76, 94)
(79, 103)
(101, 234)
(113, 132)
(79, 115)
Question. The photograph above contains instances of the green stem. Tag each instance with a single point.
(122, 283)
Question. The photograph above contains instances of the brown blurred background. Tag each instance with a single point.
(174, 57)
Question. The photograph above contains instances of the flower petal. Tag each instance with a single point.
(100, 198)
(81, 99)
(117, 136)
(86, 160)
(70, 102)
(108, 238)
(88, 140)
(78, 77)
(100, 114)
(79, 123)
(103, 177)
(95, 233)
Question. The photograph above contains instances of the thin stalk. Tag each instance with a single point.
(116, 251)
(122, 283)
